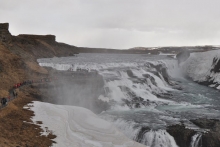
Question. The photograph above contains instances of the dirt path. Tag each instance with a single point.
(17, 129)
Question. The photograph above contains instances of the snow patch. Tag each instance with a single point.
(77, 126)
(199, 67)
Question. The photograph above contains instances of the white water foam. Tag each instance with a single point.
(142, 134)
(117, 79)
(159, 138)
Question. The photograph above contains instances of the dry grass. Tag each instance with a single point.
(16, 127)
(15, 131)
(36, 68)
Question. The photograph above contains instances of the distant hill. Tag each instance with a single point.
(42, 46)
(175, 50)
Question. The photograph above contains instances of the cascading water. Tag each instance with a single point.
(146, 94)
(143, 134)
(140, 81)
(196, 141)
(158, 138)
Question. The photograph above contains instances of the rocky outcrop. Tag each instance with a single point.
(47, 38)
(181, 134)
(212, 79)
(4, 26)
(212, 137)
(205, 123)
(5, 35)
(216, 65)
(32, 47)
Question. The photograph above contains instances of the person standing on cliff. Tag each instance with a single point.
(14, 93)
(3, 101)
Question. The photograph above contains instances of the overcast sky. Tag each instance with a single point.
(117, 23)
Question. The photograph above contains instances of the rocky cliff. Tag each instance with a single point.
(5, 35)
(47, 38)
(18, 63)
(31, 47)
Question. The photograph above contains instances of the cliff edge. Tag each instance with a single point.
(34, 46)
(18, 63)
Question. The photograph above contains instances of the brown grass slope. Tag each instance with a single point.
(18, 63)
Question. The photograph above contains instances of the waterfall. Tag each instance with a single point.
(158, 138)
(133, 88)
(196, 141)
(142, 134)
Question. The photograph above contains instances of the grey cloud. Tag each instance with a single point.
(117, 23)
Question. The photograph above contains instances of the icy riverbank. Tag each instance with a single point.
(77, 126)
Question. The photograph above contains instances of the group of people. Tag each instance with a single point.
(28, 82)
(13, 94)
(5, 100)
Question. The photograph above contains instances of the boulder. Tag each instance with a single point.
(181, 134)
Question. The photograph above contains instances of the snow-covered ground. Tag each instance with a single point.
(199, 67)
(78, 127)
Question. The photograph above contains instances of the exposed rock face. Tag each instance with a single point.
(212, 138)
(47, 38)
(181, 134)
(205, 123)
(215, 70)
(5, 35)
(216, 65)
(4, 26)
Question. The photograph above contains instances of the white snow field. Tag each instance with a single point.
(78, 127)
(199, 67)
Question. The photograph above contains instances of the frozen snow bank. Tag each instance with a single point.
(79, 127)
(204, 68)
